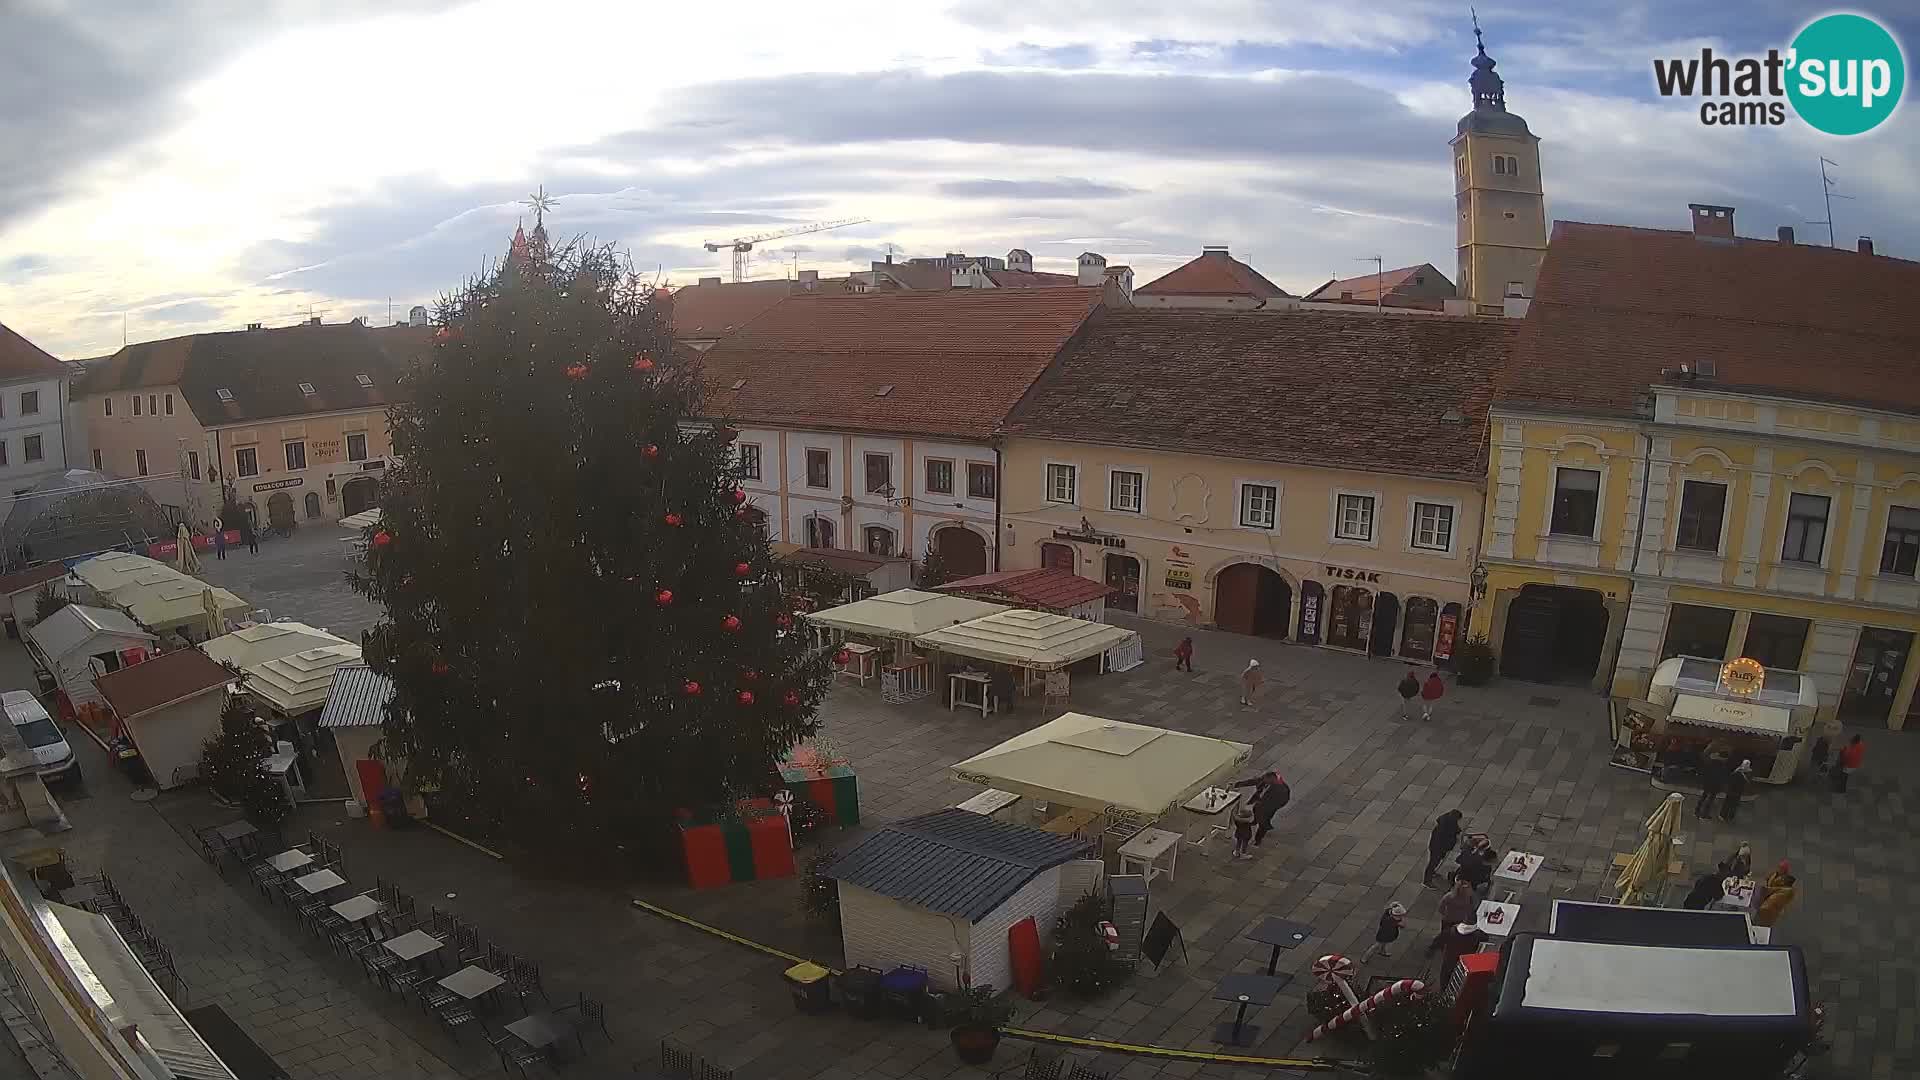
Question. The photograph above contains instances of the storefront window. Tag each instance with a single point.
(1416, 636)
(1697, 631)
(1351, 620)
(1777, 641)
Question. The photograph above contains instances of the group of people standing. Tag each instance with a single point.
(1771, 898)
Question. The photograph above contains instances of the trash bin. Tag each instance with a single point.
(860, 991)
(13, 628)
(902, 990)
(812, 993)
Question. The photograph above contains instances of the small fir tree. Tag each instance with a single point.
(47, 601)
(230, 764)
(583, 625)
(933, 568)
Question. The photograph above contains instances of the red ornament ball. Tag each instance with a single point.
(741, 569)
(649, 451)
(576, 372)
(690, 688)
(440, 668)
(791, 699)
(664, 598)
(643, 363)
(843, 658)
(744, 697)
(731, 624)
(382, 539)
(749, 676)
(442, 336)
(784, 622)
(739, 496)
(672, 520)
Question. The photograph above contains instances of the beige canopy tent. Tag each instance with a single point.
(289, 665)
(361, 520)
(903, 615)
(1039, 640)
(1106, 765)
(159, 596)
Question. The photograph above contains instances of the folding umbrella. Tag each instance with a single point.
(1648, 870)
(186, 560)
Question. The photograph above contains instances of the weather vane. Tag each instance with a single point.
(540, 202)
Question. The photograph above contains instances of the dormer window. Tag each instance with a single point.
(365, 381)
(224, 394)
(306, 389)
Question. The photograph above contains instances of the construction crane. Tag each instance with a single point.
(741, 245)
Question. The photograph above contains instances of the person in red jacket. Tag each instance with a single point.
(1852, 756)
(1431, 692)
(1183, 655)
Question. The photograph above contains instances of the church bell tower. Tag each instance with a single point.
(1502, 228)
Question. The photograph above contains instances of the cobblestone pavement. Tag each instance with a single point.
(1528, 764)
(301, 577)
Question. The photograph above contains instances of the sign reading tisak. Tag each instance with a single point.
(1348, 573)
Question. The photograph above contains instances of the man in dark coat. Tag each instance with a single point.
(1707, 888)
(1736, 787)
(1270, 794)
(1476, 865)
(1446, 833)
(1713, 781)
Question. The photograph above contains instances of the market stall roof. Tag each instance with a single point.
(838, 560)
(903, 613)
(104, 573)
(67, 629)
(361, 520)
(161, 681)
(299, 683)
(1031, 639)
(1041, 587)
(35, 579)
(261, 642)
(1090, 762)
(954, 861)
(164, 605)
(357, 698)
(1731, 715)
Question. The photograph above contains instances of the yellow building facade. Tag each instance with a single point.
(1720, 524)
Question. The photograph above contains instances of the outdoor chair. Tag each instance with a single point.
(1087, 1072)
(677, 1060)
(710, 1071)
(592, 1013)
(1043, 1064)
(405, 979)
(434, 996)
(440, 924)
(467, 946)
(457, 1015)
(378, 961)
(515, 1054)
(524, 978)
(266, 878)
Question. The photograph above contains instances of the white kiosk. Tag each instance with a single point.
(1765, 714)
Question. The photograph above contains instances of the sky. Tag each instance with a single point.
(200, 165)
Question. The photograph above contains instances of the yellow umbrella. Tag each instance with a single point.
(216, 625)
(1648, 870)
(186, 560)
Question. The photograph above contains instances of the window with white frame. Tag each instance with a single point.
(1126, 491)
(1433, 526)
(879, 474)
(296, 455)
(983, 480)
(1259, 506)
(879, 540)
(1353, 517)
(819, 473)
(1576, 502)
(1806, 538)
(30, 448)
(140, 461)
(1063, 483)
(246, 461)
(357, 447)
(939, 476)
(750, 461)
(1900, 554)
(29, 402)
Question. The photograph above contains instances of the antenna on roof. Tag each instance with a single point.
(1378, 273)
(1826, 189)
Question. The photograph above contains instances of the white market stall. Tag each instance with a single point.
(169, 706)
(1039, 642)
(289, 668)
(78, 644)
(160, 597)
(355, 711)
(1737, 706)
(365, 519)
(901, 618)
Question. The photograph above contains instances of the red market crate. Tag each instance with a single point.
(705, 847)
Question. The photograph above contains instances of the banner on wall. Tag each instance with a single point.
(1443, 642)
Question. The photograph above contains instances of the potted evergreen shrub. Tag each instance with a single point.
(977, 1034)
(1475, 661)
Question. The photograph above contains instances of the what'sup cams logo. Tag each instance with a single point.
(1843, 75)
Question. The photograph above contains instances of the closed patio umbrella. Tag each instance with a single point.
(185, 559)
(216, 624)
(1648, 870)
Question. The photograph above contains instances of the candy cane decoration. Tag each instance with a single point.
(1411, 989)
(1331, 965)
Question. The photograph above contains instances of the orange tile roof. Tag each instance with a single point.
(1214, 273)
(909, 363)
(712, 311)
(1336, 388)
(162, 680)
(1044, 587)
(1615, 306)
(1367, 286)
(20, 358)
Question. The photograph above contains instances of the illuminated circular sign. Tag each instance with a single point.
(1743, 676)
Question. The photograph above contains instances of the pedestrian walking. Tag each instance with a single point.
(1388, 932)
(1822, 746)
(1446, 833)
(1243, 818)
(219, 540)
(1736, 787)
(1409, 691)
(1852, 756)
(1251, 680)
(1778, 900)
(1183, 655)
(1707, 887)
(1270, 795)
(1431, 692)
(1713, 781)
(252, 538)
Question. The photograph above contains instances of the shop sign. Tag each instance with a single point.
(1179, 579)
(275, 485)
(1443, 643)
(1348, 573)
(1086, 534)
(1743, 676)
(1309, 616)
(1179, 568)
(376, 463)
(326, 449)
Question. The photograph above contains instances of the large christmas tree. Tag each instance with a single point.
(583, 625)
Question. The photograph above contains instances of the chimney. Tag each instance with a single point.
(1214, 249)
(1120, 278)
(1020, 259)
(1786, 234)
(1093, 268)
(810, 278)
(1712, 222)
(256, 326)
(1866, 245)
(709, 281)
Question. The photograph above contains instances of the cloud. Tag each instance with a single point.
(1063, 188)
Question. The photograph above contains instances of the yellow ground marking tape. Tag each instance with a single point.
(454, 836)
(1164, 1052)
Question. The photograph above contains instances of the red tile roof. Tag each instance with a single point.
(1046, 587)
(21, 359)
(165, 678)
(1615, 306)
(1331, 388)
(908, 363)
(1214, 273)
(712, 311)
(1367, 286)
(32, 579)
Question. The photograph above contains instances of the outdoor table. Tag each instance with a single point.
(471, 982)
(319, 881)
(235, 830)
(1509, 914)
(413, 944)
(1208, 804)
(862, 661)
(1736, 894)
(1281, 934)
(989, 802)
(1071, 823)
(1518, 866)
(1147, 848)
(957, 695)
(1244, 991)
(354, 909)
(291, 859)
(539, 1029)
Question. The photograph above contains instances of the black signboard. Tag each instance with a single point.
(1159, 936)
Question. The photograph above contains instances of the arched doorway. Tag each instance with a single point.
(1123, 577)
(1386, 613)
(1349, 617)
(358, 494)
(1417, 629)
(1058, 557)
(1554, 634)
(1313, 612)
(1252, 599)
(962, 549)
(280, 512)
(313, 504)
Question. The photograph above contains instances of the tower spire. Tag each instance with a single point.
(1489, 89)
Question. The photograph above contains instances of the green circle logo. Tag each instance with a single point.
(1846, 74)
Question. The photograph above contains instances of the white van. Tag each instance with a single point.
(49, 747)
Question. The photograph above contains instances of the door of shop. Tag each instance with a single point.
(1057, 557)
(1873, 680)
(1250, 599)
(1554, 634)
(1123, 577)
(962, 549)
(358, 494)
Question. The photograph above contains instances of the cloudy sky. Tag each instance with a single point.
(224, 163)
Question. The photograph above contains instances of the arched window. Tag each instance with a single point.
(879, 540)
(820, 532)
